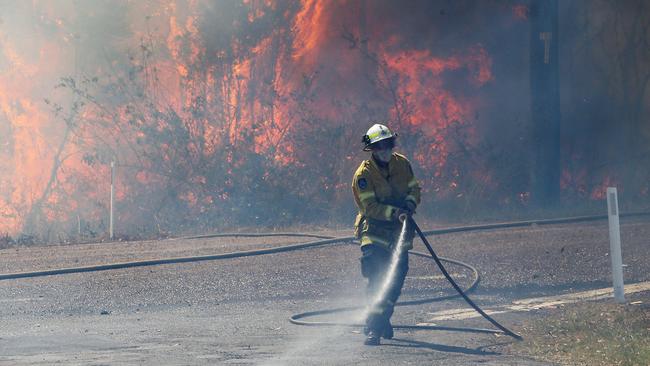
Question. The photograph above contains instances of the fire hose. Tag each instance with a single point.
(328, 240)
(295, 319)
(457, 288)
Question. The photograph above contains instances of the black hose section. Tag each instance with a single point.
(513, 224)
(470, 288)
(295, 319)
(326, 240)
(255, 235)
(154, 262)
(457, 288)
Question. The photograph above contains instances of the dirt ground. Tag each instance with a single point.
(593, 333)
(236, 311)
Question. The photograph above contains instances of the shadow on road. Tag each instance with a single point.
(438, 347)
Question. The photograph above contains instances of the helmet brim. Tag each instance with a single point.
(388, 142)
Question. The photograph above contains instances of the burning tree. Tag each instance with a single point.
(250, 113)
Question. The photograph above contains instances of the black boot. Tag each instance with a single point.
(388, 331)
(372, 339)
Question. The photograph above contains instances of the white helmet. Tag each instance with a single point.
(376, 133)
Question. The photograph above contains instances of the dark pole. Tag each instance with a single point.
(545, 103)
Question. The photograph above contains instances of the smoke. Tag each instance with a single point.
(604, 97)
(248, 113)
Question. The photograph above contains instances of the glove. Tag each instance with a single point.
(410, 207)
(400, 214)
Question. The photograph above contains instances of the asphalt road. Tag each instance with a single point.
(235, 311)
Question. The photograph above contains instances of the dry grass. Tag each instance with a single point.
(600, 333)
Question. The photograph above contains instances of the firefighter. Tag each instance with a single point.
(385, 192)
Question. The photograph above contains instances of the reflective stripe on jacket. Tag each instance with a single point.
(378, 192)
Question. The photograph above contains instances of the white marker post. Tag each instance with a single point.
(110, 220)
(615, 245)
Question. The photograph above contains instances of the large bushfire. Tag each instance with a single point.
(241, 112)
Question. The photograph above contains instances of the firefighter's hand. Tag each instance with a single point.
(400, 214)
(410, 207)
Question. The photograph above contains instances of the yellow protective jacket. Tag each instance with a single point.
(378, 192)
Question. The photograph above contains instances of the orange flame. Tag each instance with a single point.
(323, 67)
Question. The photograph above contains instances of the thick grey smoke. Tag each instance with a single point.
(225, 114)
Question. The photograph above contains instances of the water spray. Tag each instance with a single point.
(389, 277)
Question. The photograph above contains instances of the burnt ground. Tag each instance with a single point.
(235, 311)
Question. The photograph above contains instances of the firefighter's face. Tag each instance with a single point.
(382, 150)
(383, 155)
